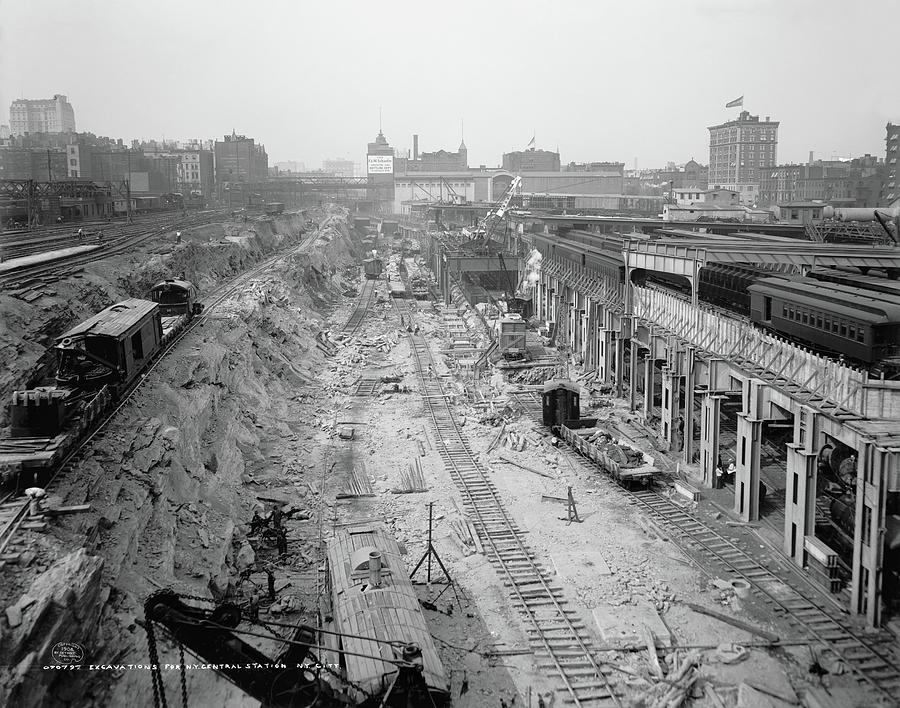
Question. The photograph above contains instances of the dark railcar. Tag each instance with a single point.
(834, 317)
(176, 297)
(373, 268)
(112, 347)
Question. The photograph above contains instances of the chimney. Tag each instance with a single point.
(810, 157)
(415, 147)
(375, 569)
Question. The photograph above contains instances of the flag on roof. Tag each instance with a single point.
(531, 144)
(735, 102)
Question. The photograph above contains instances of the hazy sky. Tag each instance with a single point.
(635, 79)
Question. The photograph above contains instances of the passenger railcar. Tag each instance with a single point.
(834, 317)
(375, 611)
(853, 279)
(112, 347)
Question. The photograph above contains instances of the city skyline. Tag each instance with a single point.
(640, 97)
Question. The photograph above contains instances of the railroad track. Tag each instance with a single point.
(871, 660)
(114, 245)
(870, 657)
(14, 510)
(366, 296)
(560, 641)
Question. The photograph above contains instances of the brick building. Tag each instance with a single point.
(739, 150)
(890, 192)
(240, 159)
(531, 160)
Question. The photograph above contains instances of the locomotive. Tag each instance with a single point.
(98, 361)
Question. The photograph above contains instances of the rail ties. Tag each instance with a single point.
(560, 641)
(366, 296)
(873, 661)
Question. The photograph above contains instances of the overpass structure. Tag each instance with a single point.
(29, 197)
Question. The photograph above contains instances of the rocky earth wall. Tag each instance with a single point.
(175, 480)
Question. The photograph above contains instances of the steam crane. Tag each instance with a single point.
(290, 680)
(495, 216)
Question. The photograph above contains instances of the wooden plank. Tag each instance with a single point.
(733, 622)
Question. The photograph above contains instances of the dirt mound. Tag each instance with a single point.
(174, 482)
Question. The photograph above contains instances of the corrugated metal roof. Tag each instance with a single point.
(115, 320)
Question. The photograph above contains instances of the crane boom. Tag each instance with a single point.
(493, 217)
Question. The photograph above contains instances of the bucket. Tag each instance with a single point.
(741, 588)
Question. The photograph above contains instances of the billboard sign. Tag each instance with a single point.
(381, 164)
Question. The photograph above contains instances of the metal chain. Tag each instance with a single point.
(159, 691)
(183, 676)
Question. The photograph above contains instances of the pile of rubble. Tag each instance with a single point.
(534, 375)
(625, 456)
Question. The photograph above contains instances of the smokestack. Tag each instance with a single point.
(375, 569)
(415, 147)
(810, 157)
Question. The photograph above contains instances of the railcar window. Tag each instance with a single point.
(819, 321)
(784, 311)
(843, 329)
(805, 318)
(852, 331)
(860, 336)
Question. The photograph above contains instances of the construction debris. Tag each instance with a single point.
(525, 467)
(733, 622)
(412, 479)
(358, 485)
(672, 693)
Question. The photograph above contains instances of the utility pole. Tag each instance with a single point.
(49, 172)
(128, 189)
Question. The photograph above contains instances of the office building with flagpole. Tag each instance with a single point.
(739, 149)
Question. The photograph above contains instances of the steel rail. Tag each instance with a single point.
(879, 669)
(573, 660)
(14, 510)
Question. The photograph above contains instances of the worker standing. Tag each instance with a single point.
(100, 236)
(80, 234)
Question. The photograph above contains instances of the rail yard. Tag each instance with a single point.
(295, 441)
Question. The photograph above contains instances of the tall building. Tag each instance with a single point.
(240, 159)
(380, 171)
(890, 192)
(341, 168)
(51, 115)
(531, 160)
(738, 149)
